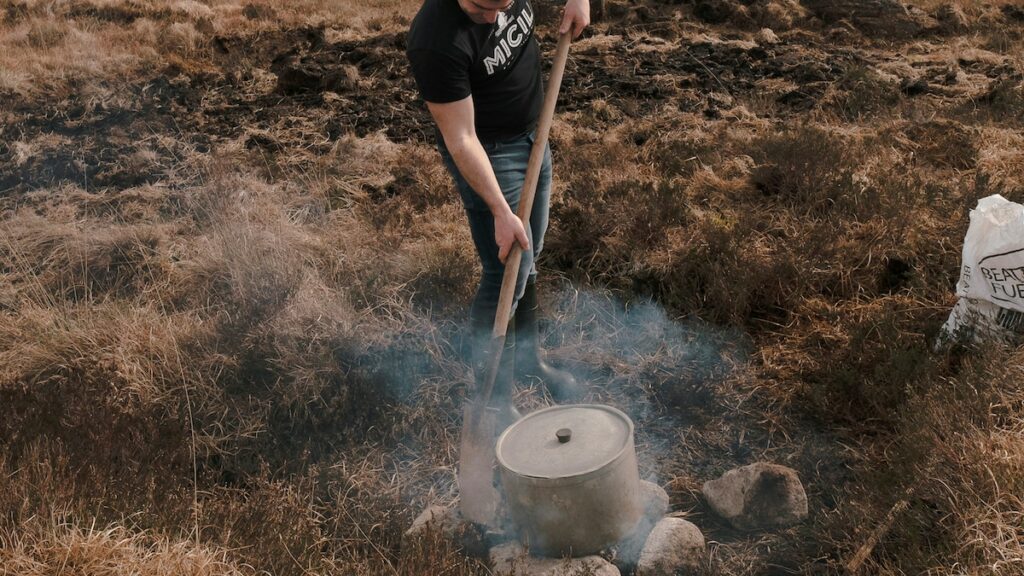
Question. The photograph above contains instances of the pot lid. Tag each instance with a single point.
(564, 441)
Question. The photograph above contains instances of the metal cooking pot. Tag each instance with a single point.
(570, 478)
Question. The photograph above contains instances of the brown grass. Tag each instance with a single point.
(963, 466)
(223, 346)
(41, 547)
(93, 48)
(249, 362)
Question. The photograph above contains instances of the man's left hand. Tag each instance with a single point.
(576, 17)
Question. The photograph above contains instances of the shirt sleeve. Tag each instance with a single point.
(440, 77)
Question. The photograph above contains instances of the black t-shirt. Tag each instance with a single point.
(498, 64)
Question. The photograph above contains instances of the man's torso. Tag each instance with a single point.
(498, 64)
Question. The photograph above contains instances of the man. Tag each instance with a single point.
(477, 66)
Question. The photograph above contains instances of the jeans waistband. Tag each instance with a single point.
(490, 140)
(505, 138)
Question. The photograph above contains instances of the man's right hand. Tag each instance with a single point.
(509, 229)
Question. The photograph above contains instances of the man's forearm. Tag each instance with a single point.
(474, 165)
(455, 120)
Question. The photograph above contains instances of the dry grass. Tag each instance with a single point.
(91, 49)
(967, 5)
(41, 547)
(192, 356)
(248, 361)
(964, 469)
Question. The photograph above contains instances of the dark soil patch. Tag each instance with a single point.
(202, 109)
(363, 86)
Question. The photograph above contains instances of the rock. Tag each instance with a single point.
(674, 544)
(767, 37)
(450, 525)
(436, 517)
(512, 559)
(759, 496)
(625, 554)
(655, 499)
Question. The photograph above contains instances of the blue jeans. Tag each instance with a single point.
(508, 159)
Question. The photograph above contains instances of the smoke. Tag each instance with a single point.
(631, 349)
(665, 372)
(368, 349)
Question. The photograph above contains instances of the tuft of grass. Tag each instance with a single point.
(875, 368)
(957, 461)
(862, 92)
(73, 263)
(945, 143)
(1005, 99)
(808, 168)
(45, 547)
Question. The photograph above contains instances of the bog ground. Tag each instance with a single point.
(233, 277)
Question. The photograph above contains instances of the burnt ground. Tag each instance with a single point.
(362, 86)
(202, 109)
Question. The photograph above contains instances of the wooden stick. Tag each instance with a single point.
(479, 499)
(853, 566)
(515, 256)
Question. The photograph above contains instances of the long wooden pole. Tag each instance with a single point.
(479, 499)
(515, 256)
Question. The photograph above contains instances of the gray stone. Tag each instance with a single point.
(674, 544)
(512, 558)
(449, 524)
(767, 37)
(757, 497)
(443, 519)
(655, 499)
(626, 553)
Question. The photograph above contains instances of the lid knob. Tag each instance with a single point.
(563, 435)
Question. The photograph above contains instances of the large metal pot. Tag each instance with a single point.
(570, 478)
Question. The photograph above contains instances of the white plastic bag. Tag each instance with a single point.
(979, 321)
(993, 265)
(991, 286)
